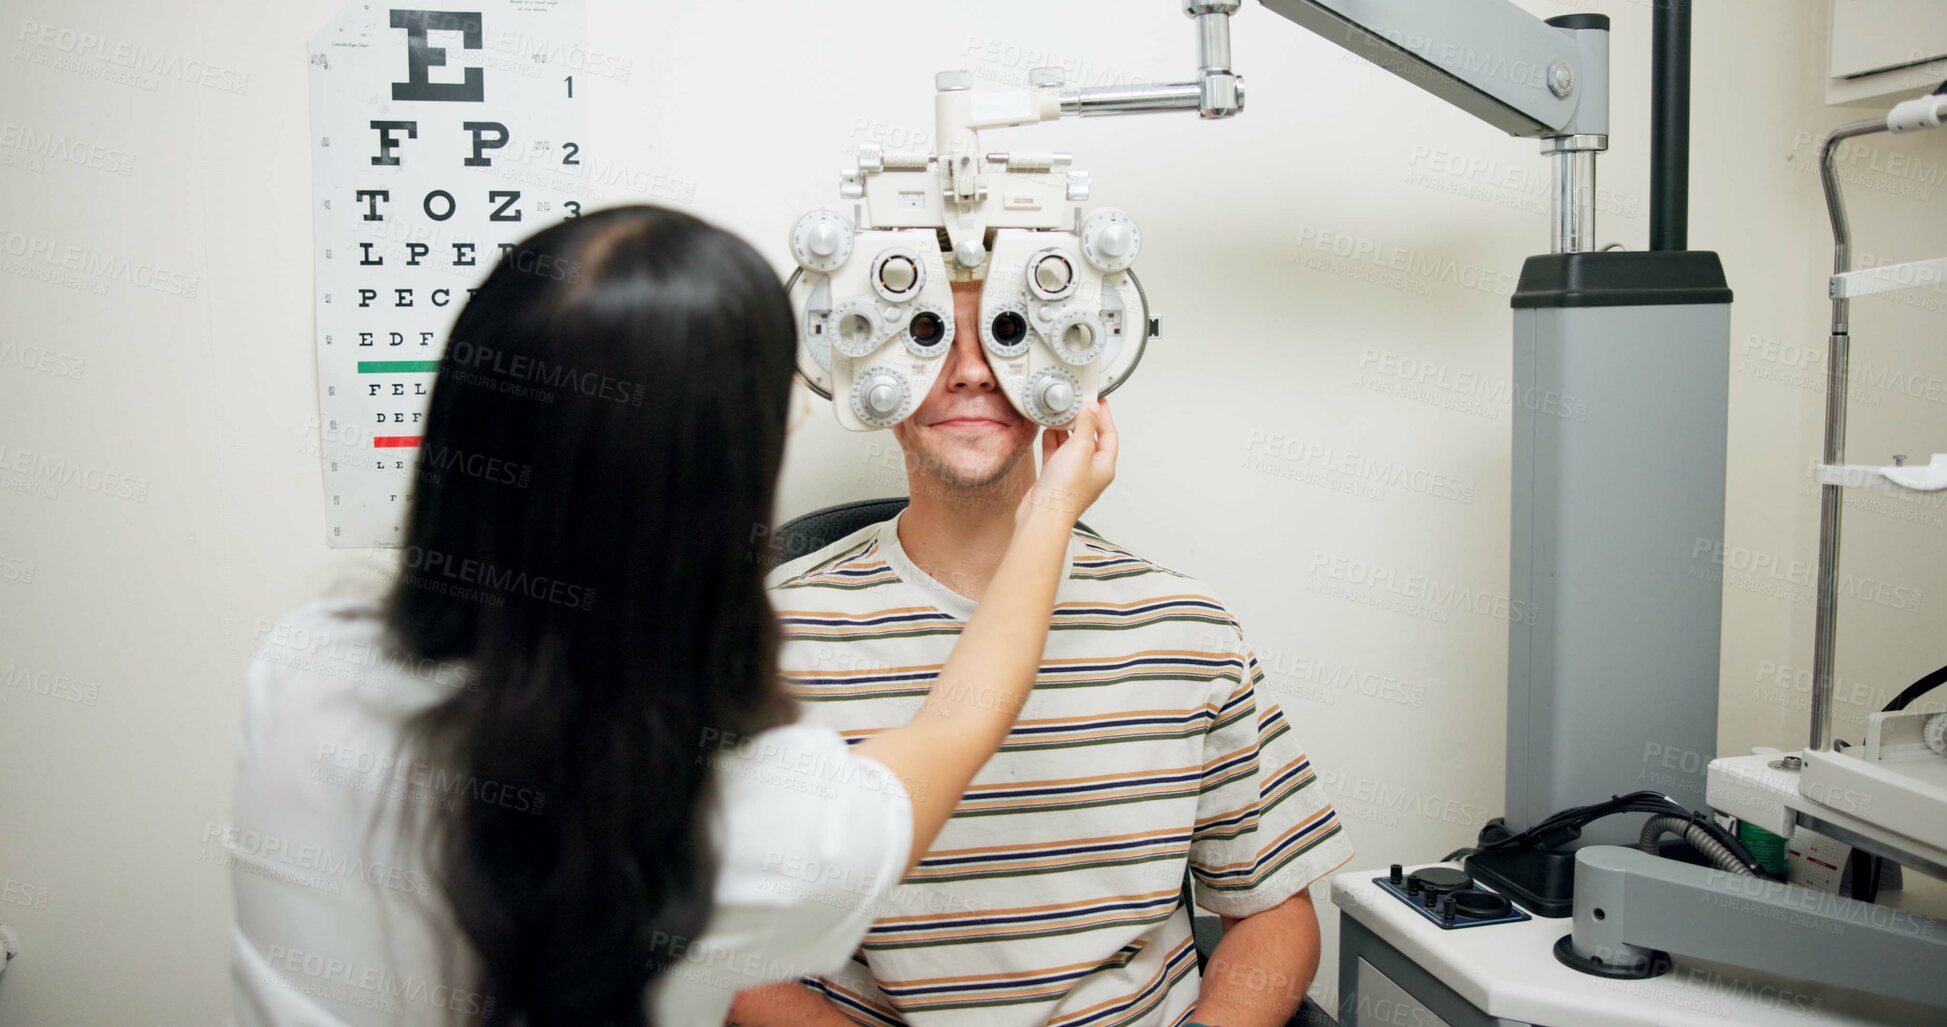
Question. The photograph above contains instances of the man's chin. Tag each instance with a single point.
(963, 466)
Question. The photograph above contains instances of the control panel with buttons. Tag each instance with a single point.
(1449, 897)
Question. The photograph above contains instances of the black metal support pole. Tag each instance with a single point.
(1670, 126)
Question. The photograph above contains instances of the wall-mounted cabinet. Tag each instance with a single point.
(1882, 51)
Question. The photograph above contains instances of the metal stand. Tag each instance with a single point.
(1831, 493)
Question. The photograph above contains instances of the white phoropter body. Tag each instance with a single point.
(1059, 328)
(1062, 317)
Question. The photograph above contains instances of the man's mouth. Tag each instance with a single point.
(969, 421)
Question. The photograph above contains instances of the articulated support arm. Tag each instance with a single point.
(1217, 93)
(1527, 77)
(1631, 907)
(1490, 58)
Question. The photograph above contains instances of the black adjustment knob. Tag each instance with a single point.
(1481, 905)
(1439, 880)
(1428, 897)
(1446, 907)
(1397, 874)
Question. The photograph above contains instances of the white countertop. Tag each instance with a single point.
(1510, 971)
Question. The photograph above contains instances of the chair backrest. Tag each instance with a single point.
(811, 532)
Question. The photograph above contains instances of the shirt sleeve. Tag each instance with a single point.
(813, 839)
(1264, 829)
(855, 992)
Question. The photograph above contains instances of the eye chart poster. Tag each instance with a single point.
(438, 138)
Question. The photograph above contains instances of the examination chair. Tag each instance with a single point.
(811, 532)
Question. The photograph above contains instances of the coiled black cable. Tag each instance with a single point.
(1560, 828)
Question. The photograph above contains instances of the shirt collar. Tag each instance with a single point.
(937, 593)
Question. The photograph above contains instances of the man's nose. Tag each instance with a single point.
(967, 366)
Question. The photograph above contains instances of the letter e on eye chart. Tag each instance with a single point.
(439, 135)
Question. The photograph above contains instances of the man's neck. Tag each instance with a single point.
(958, 535)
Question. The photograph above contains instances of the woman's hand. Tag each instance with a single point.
(1076, 465)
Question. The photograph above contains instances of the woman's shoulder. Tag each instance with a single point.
(342, 614)
(316, 628)
(313, 638)
(337, 652)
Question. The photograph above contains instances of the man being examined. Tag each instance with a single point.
(1054, 895)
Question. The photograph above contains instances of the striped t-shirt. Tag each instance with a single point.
(1053, 895)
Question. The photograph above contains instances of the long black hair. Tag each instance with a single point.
(600, 453)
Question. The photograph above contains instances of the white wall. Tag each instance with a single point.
(150, 604)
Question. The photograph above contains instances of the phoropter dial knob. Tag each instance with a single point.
(822, 241)
(1110, 241)
(880, 397)
(1054, 397)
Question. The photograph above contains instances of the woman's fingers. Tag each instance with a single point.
(1085, 422)
(1051, 440)
(1106, 440)
(1076, 463)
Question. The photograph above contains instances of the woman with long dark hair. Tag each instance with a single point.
(553, 779)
